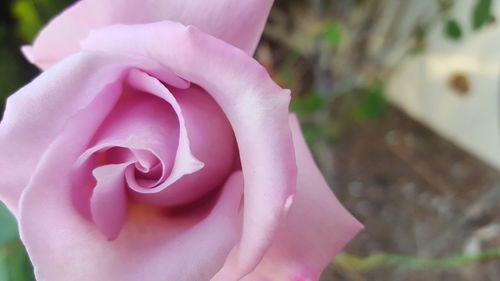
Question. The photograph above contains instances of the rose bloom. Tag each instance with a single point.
(154, 147)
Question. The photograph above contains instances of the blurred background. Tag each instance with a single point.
(400, 103)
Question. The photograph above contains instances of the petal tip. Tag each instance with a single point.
(28, 53)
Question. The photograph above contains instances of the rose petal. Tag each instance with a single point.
(142, 121)
(237, 22)
(109, 199)
(316, 229)
(256, 108)
(149, 120)
(37, 113)
(185, 162)
(211, 140)
(151, 246)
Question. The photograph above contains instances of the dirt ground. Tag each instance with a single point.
(418, 195)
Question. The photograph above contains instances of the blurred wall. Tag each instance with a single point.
(453, 85)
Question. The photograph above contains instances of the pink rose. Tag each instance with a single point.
(154, 147)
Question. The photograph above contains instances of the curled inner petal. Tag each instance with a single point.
(144, 151)
(109, 202)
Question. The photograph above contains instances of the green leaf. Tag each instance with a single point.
(371, 103)
(307, 104)
(8, 226)
(332, 33)
(14, 262)
(482, 13)
(10, 72)
(453, 29)
(47, 9)
(311, 133)
(19, 265)
(4, 270)
(29, 21)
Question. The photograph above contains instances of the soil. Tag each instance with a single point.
(417, 195)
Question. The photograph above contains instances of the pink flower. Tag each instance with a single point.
(154, 147)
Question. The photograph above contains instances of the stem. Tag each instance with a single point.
(380, 260)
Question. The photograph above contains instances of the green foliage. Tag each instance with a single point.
(47, 9)
(14, 262)
(371, 103)
(332, 32)
(9, 70)
(482, 13)
(31, 15)
(453, 29)
(307, 104)
(29, 21)
(4, 270)
(8, 231)
(286, 70)
(286, 74)
(311, 133)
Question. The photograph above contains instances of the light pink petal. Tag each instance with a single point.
(256, 108)
(152, 245)
(142, 121)
(211, 140)
(148, 118)
(37, 113)
(185, 162)
(237, 22)
(109, 200)
(316, 229)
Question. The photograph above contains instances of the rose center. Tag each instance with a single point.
(158, 146)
